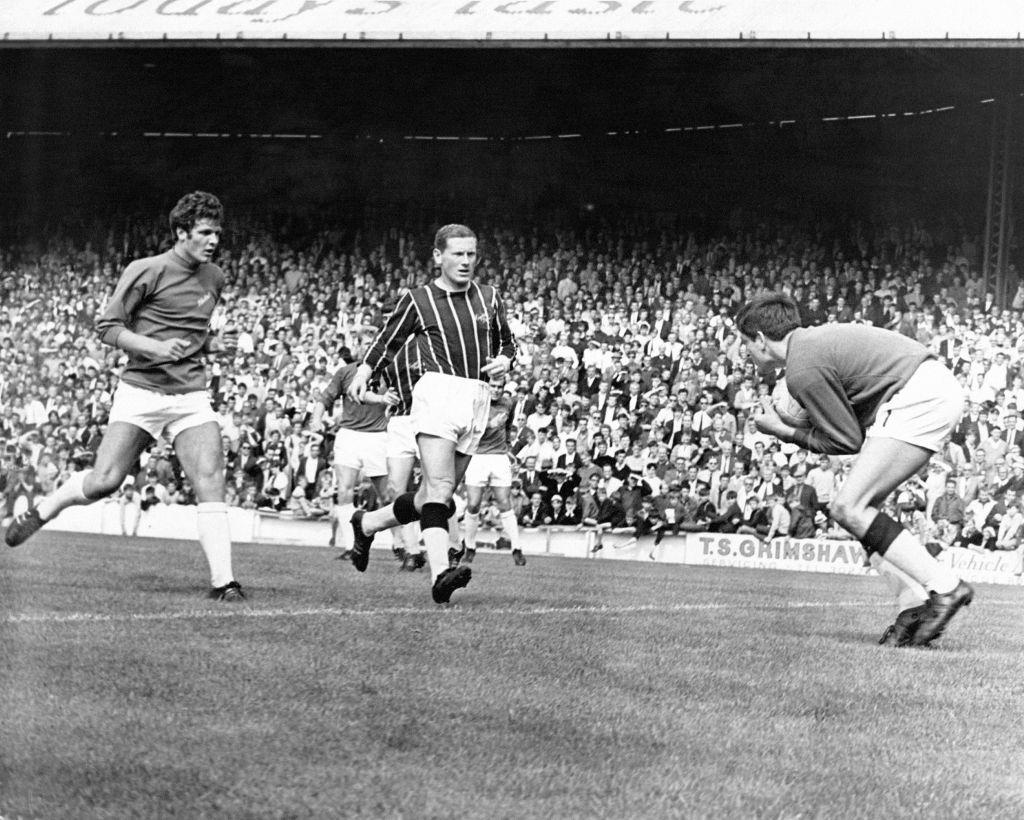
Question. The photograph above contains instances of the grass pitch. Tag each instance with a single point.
(563, 689)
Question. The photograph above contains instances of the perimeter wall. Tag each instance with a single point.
(706, 549)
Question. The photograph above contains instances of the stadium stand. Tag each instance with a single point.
(632, 397)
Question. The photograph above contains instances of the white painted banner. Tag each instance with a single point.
(732, 21)
(699, 548)
(804, 554)
(991, 567)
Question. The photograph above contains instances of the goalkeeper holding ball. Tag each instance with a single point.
(887, 398)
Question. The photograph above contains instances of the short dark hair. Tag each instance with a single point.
(452, 231)
(193, 207)
(773, 314)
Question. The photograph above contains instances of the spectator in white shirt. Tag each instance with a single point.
(541, 449)
(822, 478)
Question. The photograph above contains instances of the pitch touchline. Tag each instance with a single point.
(243, 612)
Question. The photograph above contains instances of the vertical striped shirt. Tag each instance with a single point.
(402, 373)
(460, 330)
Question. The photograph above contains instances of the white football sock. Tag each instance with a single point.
(909, 554)
(908, 592)
(382, 518)
(412, 536)
(344, 514)
(454, 534)
(471, 523)
(215, 539)
(435, 540)
(68, 494)
(511, 527)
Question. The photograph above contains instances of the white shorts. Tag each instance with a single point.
(489, 470)
(451, 408)
(924, 411)
(401, 438)
(362, 451)
(161, 414)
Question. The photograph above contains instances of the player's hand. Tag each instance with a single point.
(357, 387)
(225, 343)
(497, 366)
(392, 399)
(170, 350)
(229, 339)
(768, 421)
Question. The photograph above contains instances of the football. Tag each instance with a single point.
(788, 408)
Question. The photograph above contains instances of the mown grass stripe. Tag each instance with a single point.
(248, 612)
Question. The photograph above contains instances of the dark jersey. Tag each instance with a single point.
(841, 373)
(364, 418)
(460, 330)
(164, 297)
(499, 424)
(402, 373)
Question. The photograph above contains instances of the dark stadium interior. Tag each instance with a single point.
(75, 119)
(491, 91)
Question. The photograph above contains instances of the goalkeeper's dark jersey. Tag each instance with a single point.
(499, 423)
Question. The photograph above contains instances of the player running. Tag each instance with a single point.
(400, 376)
(360, 441)
(467, 340)
(490, 467)
(159, 314)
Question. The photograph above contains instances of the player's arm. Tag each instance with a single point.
(389, 398)
(113, 324)
(834, 430)
(509, 421)
(324, 400)
(357, 388)
(769, 421)
(223, 341)
(401, 324)
(501, 362)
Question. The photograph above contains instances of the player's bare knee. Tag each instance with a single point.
(853, 516)
(211, 479)
(437, 490)
(841, 511)
(104, 481)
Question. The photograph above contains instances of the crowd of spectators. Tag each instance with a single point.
(633, 399)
